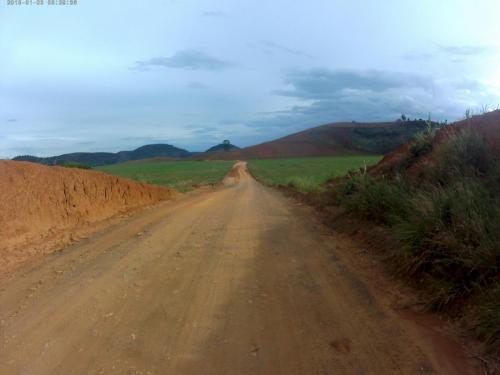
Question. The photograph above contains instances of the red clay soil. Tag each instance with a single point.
(487, 126)
(44, 208)
(391, 160)
(325, 140)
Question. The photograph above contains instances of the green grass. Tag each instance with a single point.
(445, 223)
(68, 164)
(180, 175)
(306, 174)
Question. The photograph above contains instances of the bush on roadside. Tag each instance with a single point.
(379, 200)
(421, 144)
(464, 154)
(445, 221)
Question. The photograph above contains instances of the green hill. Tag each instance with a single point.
(105, 158)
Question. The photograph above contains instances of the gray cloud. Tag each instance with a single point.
(358, 107)
(146, 139)
(78, 87)
(456, 53)
(324, 83)
(214, 13)
(12, 120)
(270, 46)
(186, 59)
(465, 50)
(204, 129)
(196, 86)
(421, 56)
(342, 95)
(207, 134)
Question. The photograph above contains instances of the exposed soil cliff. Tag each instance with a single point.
(43, 208)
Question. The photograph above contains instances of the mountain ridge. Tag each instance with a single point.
(95, 159)
(338, 138)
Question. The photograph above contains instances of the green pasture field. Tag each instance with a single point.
(180, 175)
(307, 174)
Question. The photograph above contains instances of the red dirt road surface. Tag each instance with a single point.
(237, 281)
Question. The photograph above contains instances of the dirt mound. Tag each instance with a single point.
(42, 208)
(487, 126)
(328, 140)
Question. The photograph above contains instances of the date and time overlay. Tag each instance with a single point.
(41, 2)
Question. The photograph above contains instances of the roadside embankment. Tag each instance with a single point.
(44, 208)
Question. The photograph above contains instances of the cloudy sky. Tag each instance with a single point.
(117, 74)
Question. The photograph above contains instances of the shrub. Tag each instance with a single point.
(463, 154)
(445, 222)
(379, 200)
(450, 234)
(421, 144)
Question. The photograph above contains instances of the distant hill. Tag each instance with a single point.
(223, 147)
(330, 139)
(104, 158)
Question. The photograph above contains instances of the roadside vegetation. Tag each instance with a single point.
(441, 206)
(381, 140)
(180, 175)
(68, 164)
(306, 174)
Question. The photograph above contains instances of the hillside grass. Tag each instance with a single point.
(445, 221)
(307, 174)
(68, 164)
(180, 175)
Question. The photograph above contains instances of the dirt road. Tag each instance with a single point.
(236, 281)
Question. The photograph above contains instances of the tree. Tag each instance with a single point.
(227, 144)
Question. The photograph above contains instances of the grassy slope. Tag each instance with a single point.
(338, 139)
(306, 174)
(180, 175)
(444, 216)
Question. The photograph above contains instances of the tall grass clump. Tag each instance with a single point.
(420, 146)
(381, 200)
(422, 142)
(445, 221)
(305, 184)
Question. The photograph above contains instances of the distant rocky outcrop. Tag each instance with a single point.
(223, 147)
